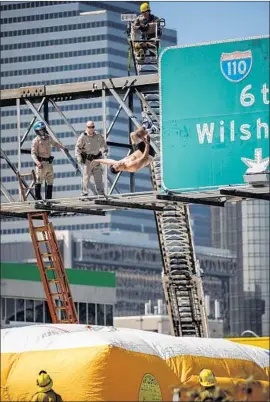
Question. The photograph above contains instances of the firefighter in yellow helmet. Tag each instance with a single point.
(209, 391)
(148, 25)
(45, 393)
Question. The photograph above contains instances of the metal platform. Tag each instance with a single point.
(80, 90)
(153, 201)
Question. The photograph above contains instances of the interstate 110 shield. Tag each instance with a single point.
(214, 113)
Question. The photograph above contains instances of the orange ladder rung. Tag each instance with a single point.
(53, 281)
(55, 263)
(40, 228)
(46, 255)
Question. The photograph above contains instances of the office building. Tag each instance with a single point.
(50, 43)
(135, 260)
(243, 228)
(23, 299)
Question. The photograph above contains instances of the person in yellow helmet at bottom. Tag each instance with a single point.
(146, 24)
(209, 391)
(45, 393)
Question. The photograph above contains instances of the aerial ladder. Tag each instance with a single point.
(182, 282)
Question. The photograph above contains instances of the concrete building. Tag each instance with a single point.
(136, 261)
(160, 323)
(243, 228)
(23, 299)
(48, 43)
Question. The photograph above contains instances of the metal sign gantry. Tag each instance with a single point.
(122, 90)
(181, 280)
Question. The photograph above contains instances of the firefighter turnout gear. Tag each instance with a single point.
(212, 394)
(88, 148)
(148, 25)
(207, 378)
(45, 393)
(144, 7)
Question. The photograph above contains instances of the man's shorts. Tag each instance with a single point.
(141, 147)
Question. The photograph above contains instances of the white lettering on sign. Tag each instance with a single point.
(245, 130)
(262, 125)
(214, 131)
(207, 133)
(246, 98)
(264, 92)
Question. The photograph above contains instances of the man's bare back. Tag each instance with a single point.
(140, 158)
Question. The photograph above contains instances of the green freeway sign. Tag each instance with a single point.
(214, 113)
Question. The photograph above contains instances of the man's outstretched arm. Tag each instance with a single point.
(105, 161)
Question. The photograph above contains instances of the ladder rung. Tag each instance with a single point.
(50, 268)
(60, 307)
(25, 174)
(45, 254)
(43, 241)
(66, 321)
(56, 294)
(40, 228)
(53, 281)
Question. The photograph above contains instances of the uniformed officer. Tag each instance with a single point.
(88, 148)
(41, 155)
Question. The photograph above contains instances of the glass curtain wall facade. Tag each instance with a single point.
(244, 229)
(50, 43)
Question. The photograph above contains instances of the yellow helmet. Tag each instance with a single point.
(144, 7)
(207, 378)
(44, 382)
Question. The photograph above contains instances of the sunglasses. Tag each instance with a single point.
(90, 126)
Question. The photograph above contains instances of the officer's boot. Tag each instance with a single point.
(38, 191)
(48, 190)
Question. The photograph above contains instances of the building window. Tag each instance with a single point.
(10, 309)
(39, 311)
(47, 313)
(29, 311)
(20, 310)
(82, 313)
(3, 312)
(100, 314)
(91, 313)
(109, 314)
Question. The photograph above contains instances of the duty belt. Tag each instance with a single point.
(50, 159)
(91, 157)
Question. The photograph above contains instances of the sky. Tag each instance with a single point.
(197, 22)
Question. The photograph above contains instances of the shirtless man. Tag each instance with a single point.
(142, 156)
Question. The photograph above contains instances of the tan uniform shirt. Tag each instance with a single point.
(90, 144)
(42, 148)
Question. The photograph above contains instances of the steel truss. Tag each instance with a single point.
(181, 272)
(123, 91)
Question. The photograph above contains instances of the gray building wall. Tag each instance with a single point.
(244, 229)
(50, 43)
